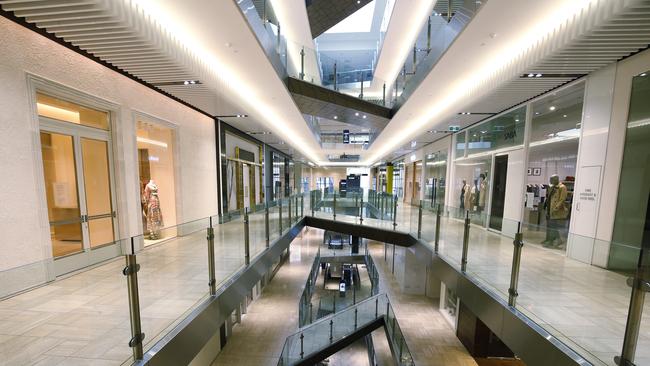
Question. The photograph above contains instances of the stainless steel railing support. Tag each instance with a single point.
(437, 238)
(334, 206)
(518, 244)
(463, 261)
(131, 273)
(640, 284)
(247, 244)
(212, 282)
(266, 226)
(420, 220)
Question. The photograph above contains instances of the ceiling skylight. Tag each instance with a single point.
(359, 21)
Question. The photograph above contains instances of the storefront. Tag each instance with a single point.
(487, 156)
(242, 159)
(157, 172)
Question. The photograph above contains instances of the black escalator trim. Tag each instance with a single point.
(361, 332)
(385, 236)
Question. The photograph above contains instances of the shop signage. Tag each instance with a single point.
(586, 199)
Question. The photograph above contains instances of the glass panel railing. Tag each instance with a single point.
(318, 335)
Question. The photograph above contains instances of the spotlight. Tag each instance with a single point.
(552, 107)
(531, 75)
(538, 75)
(336, 117)
(564, 116)
(364, 116)
(356, 114)
(186, 82)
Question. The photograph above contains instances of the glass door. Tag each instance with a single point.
(77, 175)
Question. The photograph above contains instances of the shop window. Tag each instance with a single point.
(634, 185)
(460, 144)
(157, 181)
(503, 131)
(553, 152)
(65, 111)
(471, 188)
(435, 175)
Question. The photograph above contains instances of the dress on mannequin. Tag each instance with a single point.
(154, 214)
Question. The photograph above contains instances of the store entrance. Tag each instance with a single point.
(80, 203)
(498, 192)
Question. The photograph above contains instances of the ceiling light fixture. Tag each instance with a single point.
(538, 75)
(336, 117)
(466, 84)
(564, 115)
(364, 116)
(356, 114)
(552, 107)
(531, 75)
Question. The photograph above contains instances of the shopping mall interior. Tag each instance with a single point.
(325, 182)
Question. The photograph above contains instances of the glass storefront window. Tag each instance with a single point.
(157, 181)
(503, 131)
(435, 175)
(633, 203)
(471, 187)
(555, 133)
(65, 111)
(460, 144)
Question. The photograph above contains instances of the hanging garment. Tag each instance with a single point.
(154, 214)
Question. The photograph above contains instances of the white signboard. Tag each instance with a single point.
(586, 198)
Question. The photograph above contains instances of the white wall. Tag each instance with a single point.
(515, 183)
(23, 212)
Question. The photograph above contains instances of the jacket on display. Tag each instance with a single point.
(557, 209)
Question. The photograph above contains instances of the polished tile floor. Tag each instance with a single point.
(83, 319)
(584, 306)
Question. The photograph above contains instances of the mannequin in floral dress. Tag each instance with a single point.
(154, 215)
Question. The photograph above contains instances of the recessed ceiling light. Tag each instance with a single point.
(644, 74)
(186, 82)
(564, 116)
(552, 107)
(538, 75)
(336, 117)
(531, 75)
(356, 114)
(517, 120)
(364, 116)
(536, 112)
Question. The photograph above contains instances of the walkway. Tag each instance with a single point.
(583, 305)
(270, 319)
(84, 318)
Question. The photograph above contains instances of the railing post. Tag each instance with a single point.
(334, 206)
(289, 211)
(334, 297)
(302, 205)
(354, 294)
(518, 243)
(302, 345)
(393, 269)
(463, 261)
(383, 95)
(376, 307)
(331, 330)
(356, 310)
(131, 273)
(381, 206)
(280, 214)
(247, 249)
(335, 77)
(361, 212)
(395, 213)
(266, 226)
(437, 237)
(302, 64)
(640, 285)
(212, 282)
(296, 216)
(311, 312)
(420, 220)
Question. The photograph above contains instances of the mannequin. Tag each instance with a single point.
(154, 215)
(482, 192)
(556, 212)
(465, 197)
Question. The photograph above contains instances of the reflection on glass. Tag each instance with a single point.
(98, 190)
(634, 186)
(471, 191)
(553, 151)
(503, 131)
(157, 182)
(435, 175)
(61, 190)
(70, 112)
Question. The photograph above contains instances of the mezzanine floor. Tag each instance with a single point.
(583, 305)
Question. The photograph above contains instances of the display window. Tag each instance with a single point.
(279, 178)
(435, 179)
(551, 168)
(633, 204)
(243, 172)
(471, 188)
(398, 179)
(155, 143)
